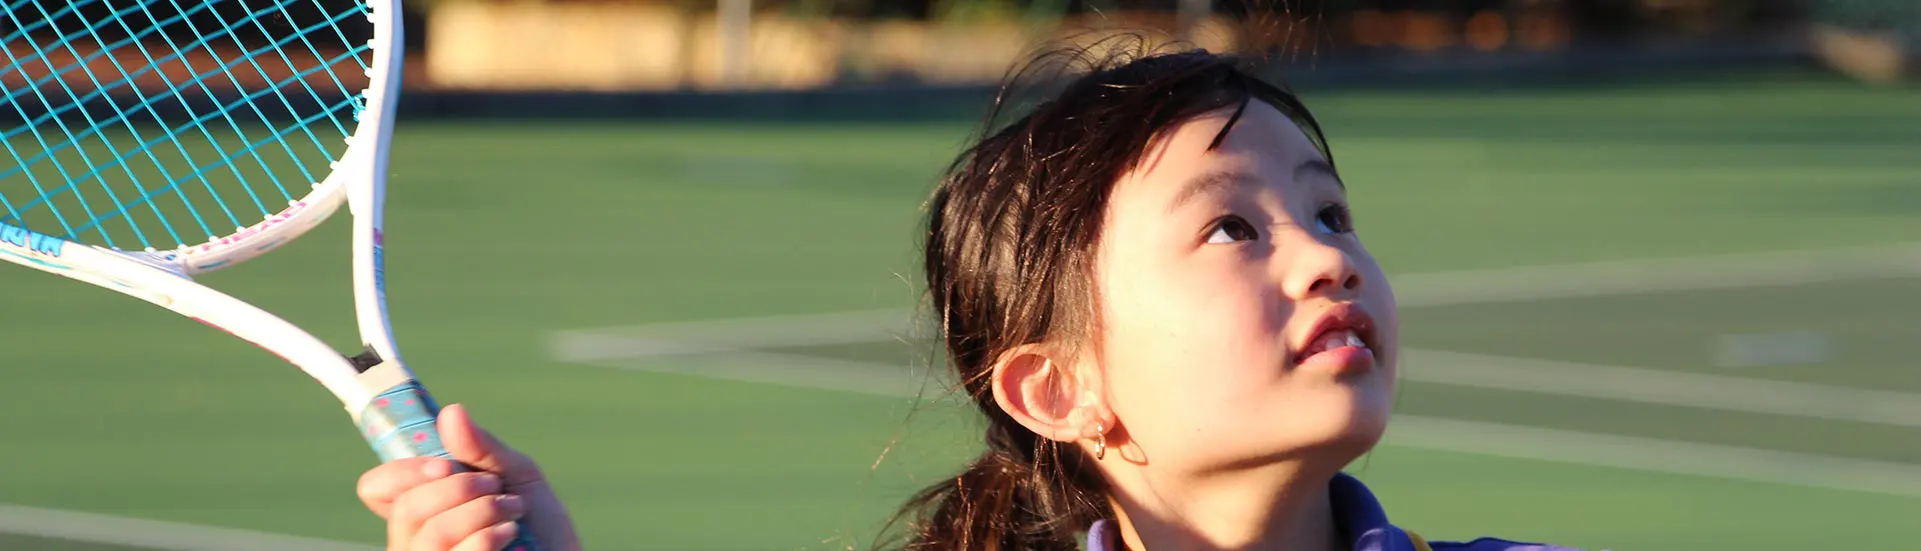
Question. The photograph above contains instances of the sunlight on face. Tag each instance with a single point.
(1242, 322)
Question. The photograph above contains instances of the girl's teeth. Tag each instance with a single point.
(1338, 339)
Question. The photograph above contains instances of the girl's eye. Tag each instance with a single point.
(1334, 219)
(1232, 229)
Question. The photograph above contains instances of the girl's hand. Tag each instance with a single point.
(431, 506)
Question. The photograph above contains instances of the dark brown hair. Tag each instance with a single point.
(1011, 236)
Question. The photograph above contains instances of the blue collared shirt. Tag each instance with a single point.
(1361, 518)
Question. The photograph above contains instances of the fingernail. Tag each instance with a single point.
(505, 530)
(510, 503)
(437, 469)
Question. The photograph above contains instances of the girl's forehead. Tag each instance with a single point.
(1263, 144)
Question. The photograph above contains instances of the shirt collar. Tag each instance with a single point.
(1356, 512)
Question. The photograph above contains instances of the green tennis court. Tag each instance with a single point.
(1755, 407)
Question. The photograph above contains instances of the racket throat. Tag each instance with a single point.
(365, 360)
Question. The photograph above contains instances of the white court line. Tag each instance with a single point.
(1650, 454)
(1621, 277)
(1517, 283)
(737, 349)
(154, 534)
(729, 335)
(1521, 283)
(1418, 432)
(793, 370)
(1656, 386)
(742, 362)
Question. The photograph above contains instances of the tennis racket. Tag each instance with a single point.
(149, 141)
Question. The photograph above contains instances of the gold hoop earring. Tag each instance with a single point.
(1100, 442)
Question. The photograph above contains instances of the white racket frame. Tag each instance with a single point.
(358, 179)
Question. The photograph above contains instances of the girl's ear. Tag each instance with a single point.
(1045, 390)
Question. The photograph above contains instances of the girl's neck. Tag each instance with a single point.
(1270, 509)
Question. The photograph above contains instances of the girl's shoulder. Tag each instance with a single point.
(1494, 544)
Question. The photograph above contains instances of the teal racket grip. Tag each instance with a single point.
(399, 424)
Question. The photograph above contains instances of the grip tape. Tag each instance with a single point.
(399, 424)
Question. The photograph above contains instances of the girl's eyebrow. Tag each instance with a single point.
(1317, 167)
(1222, 182)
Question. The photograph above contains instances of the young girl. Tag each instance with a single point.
(1153, 288)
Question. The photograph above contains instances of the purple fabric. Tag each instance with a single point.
(1360, 516)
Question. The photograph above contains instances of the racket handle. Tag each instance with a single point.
(400, 424)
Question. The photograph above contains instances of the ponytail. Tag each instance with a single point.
(1021, 494)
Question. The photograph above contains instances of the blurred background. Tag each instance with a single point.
(1656, 259)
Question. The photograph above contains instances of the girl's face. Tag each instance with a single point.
(1242, 322)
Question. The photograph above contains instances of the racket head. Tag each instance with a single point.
(153, 143)
(191, 136)
(144, 142)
